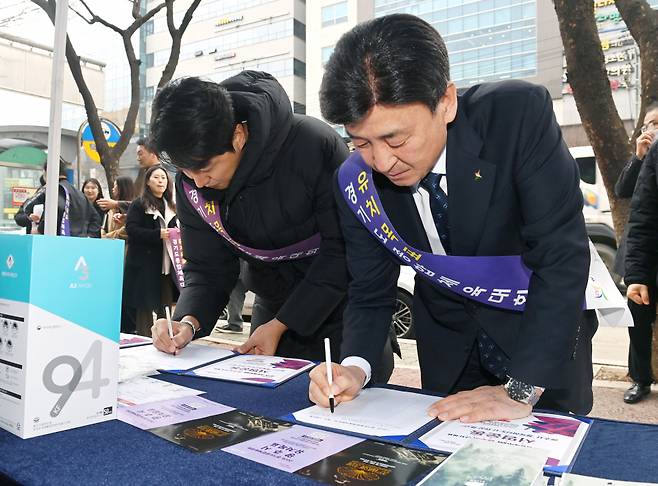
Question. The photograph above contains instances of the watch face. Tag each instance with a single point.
(519, 391)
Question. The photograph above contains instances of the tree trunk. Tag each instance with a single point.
(587, 75)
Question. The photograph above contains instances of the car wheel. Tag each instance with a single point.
(608, 254)
(403, 320)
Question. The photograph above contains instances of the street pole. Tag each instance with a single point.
(55, 130)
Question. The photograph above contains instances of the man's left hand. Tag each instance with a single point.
(483, 403)
(264, 340)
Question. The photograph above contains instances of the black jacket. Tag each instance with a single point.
(513, 189)
(624, 188)
(280, 194)
(83, 219)
(144, 254)
(642, 241)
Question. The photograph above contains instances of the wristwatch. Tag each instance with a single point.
(522, 392)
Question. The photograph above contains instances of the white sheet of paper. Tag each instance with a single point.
(146, 360)
(378, 412)
(142, 389)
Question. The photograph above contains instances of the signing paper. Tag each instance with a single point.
(146, 360)
(376, 412)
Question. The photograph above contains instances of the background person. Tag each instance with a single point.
(122, 190)
(147, 284)
(641, 334)
(83, 219)
(93, 191)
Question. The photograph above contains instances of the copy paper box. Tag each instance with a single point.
(60, 308)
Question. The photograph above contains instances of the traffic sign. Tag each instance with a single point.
(110, 131)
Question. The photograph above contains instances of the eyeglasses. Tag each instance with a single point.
(651, 126)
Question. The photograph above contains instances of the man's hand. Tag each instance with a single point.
(161, 340)
(264, 340)
(164, 234)
(642, 144)
(106, 204)
(638, 293)
(35, 218)
(347, 383)
(483, 403)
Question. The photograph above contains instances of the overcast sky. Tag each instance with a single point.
(24, 19)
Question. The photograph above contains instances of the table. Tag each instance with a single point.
(117, 453)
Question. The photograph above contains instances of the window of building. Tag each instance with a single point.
(334, 14)
(299, 68)
(149, 59)
(298, 108)
(326, 54)
(299, 30)
(148, 27)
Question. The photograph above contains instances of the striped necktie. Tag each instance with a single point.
(439, 206)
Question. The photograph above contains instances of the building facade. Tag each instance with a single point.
(229, 36)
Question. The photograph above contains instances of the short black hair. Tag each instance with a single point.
(146, 143)
(192, 121)
(63, 167)
(395, 59)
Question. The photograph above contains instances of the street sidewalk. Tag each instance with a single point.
(610, 348)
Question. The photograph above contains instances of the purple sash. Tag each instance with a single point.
(175, 250)
(65, 224)
(209, 211)
(499, 281)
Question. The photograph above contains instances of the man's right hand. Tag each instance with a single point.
(107, 203)
(347, 383)
(638, 293)
(642, 144)
(161, 340)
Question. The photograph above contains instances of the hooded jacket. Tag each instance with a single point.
(280, 194)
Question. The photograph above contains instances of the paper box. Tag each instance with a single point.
(60, 309)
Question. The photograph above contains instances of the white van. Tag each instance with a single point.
(596, 208)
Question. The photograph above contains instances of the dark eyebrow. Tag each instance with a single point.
(383, 137)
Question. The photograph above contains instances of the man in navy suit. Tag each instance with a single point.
(482, 174)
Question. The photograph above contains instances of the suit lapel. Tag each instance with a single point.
(470, 185)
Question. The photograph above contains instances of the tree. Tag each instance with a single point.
(586, 71)
(110, 155)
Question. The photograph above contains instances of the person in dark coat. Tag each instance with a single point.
(147, 284)
(23, 219)
(267, 173)
(641, 334)
(512, 189)
(84, 221)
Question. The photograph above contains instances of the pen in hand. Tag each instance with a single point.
(327, 356)
(169, 328)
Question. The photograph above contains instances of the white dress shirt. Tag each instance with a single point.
(422, 200)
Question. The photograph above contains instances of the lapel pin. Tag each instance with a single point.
(477, 176)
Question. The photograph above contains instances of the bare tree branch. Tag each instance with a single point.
(95, 18)
(176, 38)
(80, 15)
(136, 8)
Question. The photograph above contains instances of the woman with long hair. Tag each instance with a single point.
(122, 190)
(93, 192)
(148, 285)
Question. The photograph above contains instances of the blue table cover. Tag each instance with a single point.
(117, 453)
